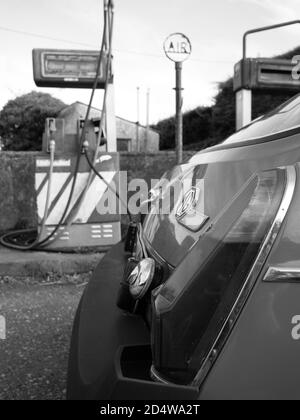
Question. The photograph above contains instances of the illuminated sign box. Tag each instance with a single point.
(68, 68)
(265, 74)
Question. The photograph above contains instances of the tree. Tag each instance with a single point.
(196, 128)
(166, 129)
(223, 112)
(22, 120)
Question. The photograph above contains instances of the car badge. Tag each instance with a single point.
(187, 213)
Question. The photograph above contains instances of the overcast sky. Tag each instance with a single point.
(215, 28)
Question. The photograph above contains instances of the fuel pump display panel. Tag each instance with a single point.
(69, 65)
(68, 68)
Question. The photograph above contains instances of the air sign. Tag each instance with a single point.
(177, 47)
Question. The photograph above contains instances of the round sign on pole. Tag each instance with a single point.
(177, 47)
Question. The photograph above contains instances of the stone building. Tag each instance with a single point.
(130, 136)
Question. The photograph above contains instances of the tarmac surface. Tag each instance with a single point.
(39, 316)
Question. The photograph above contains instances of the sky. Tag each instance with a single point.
(214, 27)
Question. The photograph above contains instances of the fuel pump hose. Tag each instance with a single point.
(5, 239)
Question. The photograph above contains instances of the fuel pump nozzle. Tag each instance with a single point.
(111, 4)
(51, 136)
(52, 125)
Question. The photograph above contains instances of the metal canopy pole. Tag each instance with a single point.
(110, 112)
(262, 29)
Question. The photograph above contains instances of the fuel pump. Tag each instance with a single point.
(260, 74)
(69, 193)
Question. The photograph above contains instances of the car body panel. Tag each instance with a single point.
(102, 337)
(260, 358)
(100, 328)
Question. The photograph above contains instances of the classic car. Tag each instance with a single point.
(207, 304)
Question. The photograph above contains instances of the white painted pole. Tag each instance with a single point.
(110, 117)
(243, 105)
(147, 118)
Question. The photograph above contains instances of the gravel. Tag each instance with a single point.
(39, 316)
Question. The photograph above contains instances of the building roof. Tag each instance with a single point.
(99, 110)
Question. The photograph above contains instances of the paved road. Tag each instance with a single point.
(33, 358)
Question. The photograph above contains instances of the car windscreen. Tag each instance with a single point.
(283, 118)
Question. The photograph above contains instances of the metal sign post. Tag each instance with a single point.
(178, 48)
(179, 119)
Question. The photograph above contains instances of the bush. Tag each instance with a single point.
(223, 112)
(22, 120)
(166, 129)
(196, 128)
(197, 125)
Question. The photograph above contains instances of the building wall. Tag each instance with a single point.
(149, 165)
(17, 182)
(130, 130)
(18, 208)
(125, 129)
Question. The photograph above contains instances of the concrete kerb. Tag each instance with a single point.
(39, 265)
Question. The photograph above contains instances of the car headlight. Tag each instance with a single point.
(141, 278)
